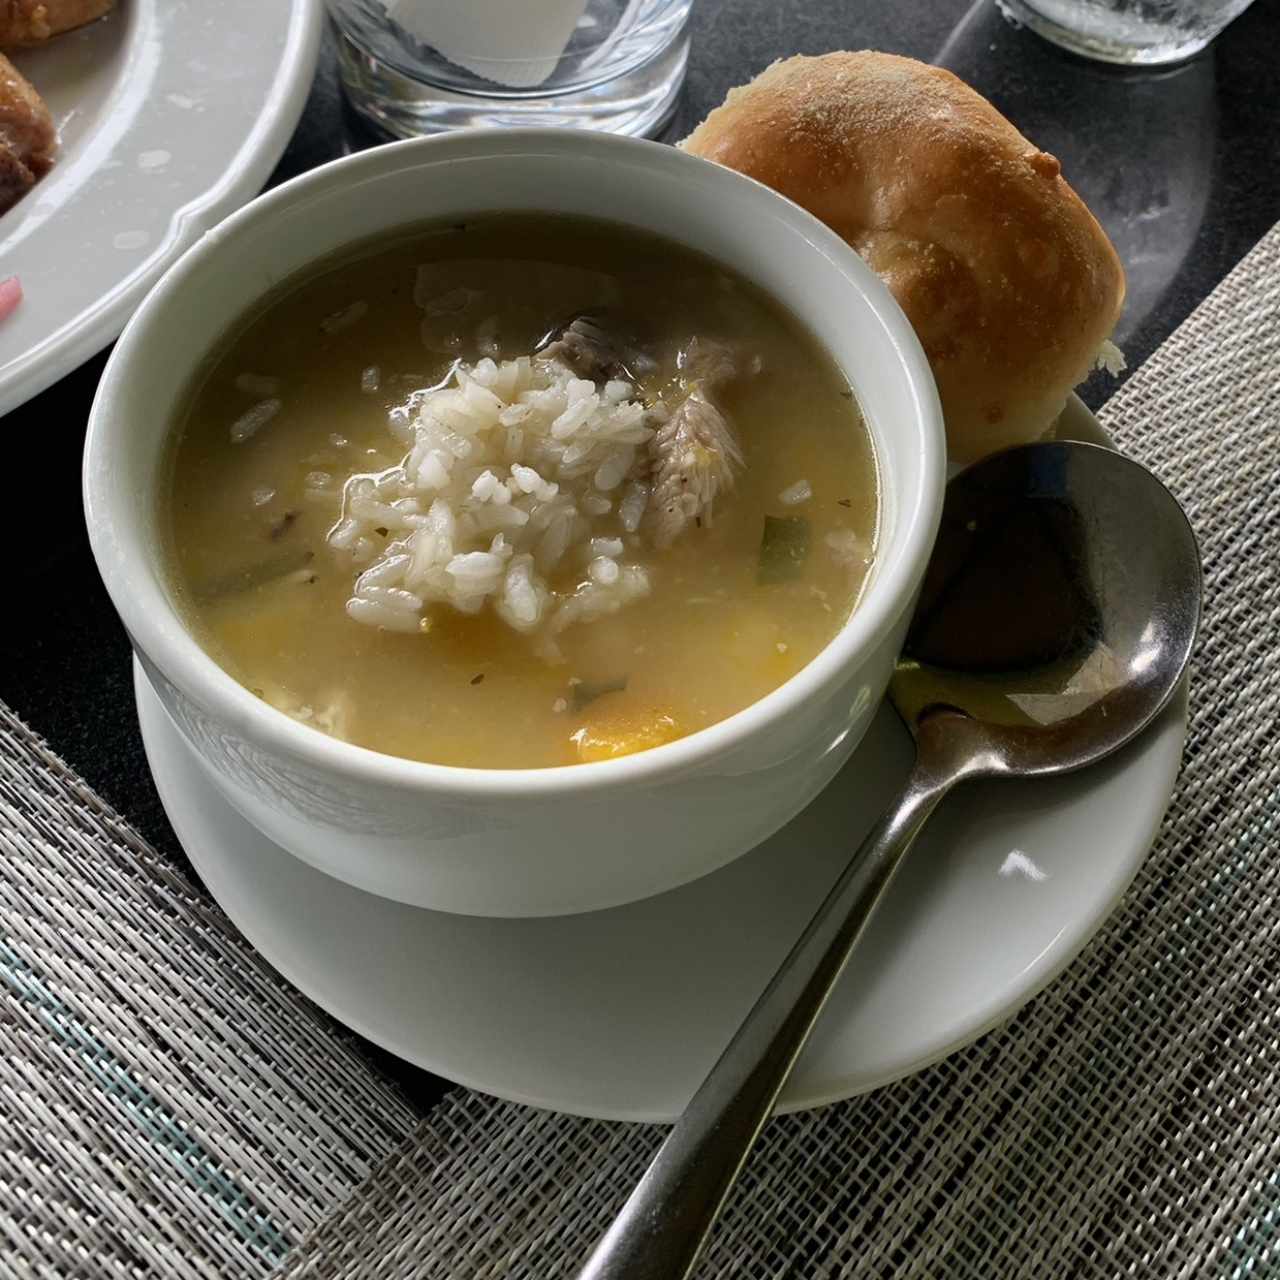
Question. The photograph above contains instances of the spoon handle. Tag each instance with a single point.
(659, 1231)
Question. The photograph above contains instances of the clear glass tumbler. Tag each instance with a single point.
(416, 67)
(1137, 32)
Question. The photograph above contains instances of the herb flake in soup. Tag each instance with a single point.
(519, 492)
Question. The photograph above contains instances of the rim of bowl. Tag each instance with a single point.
(135, 583)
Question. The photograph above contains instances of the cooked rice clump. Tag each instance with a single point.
(516, 474)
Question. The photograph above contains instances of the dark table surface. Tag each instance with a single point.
(1182, 167)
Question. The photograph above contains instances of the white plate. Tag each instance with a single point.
(619, 1013)
(172, 113)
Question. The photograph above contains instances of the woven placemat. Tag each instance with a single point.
(169, 1107)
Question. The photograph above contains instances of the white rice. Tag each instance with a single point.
(516, 471)
(251, 422)
(794, 494)
(847, 547)
(342, 320)
(1110, 358)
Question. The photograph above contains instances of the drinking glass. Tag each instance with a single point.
(1138, 32)
(416, 67)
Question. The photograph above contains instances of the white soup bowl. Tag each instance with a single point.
(530, 841)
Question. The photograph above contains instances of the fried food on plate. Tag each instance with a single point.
(28, 22)
(27, 136)
(28, 139)
(1007, 278)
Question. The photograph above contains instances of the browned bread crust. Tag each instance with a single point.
(28, 22)
(1007, 278)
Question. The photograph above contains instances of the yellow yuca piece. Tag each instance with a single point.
(613, 727)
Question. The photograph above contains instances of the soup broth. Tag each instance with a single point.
(715, 550)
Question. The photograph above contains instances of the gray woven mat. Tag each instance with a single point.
(168, 1107)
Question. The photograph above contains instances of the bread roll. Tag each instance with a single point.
(1009, 281)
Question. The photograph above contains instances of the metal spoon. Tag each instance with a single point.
(1055, 622)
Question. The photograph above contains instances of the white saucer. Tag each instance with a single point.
(619, 1013)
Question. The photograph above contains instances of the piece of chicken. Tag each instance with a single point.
(591, 350)
(695, 454)
(28, 22)
(27, 136)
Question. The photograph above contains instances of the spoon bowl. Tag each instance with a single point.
(1058, 611)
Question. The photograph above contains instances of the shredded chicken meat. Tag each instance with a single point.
(696, 456)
